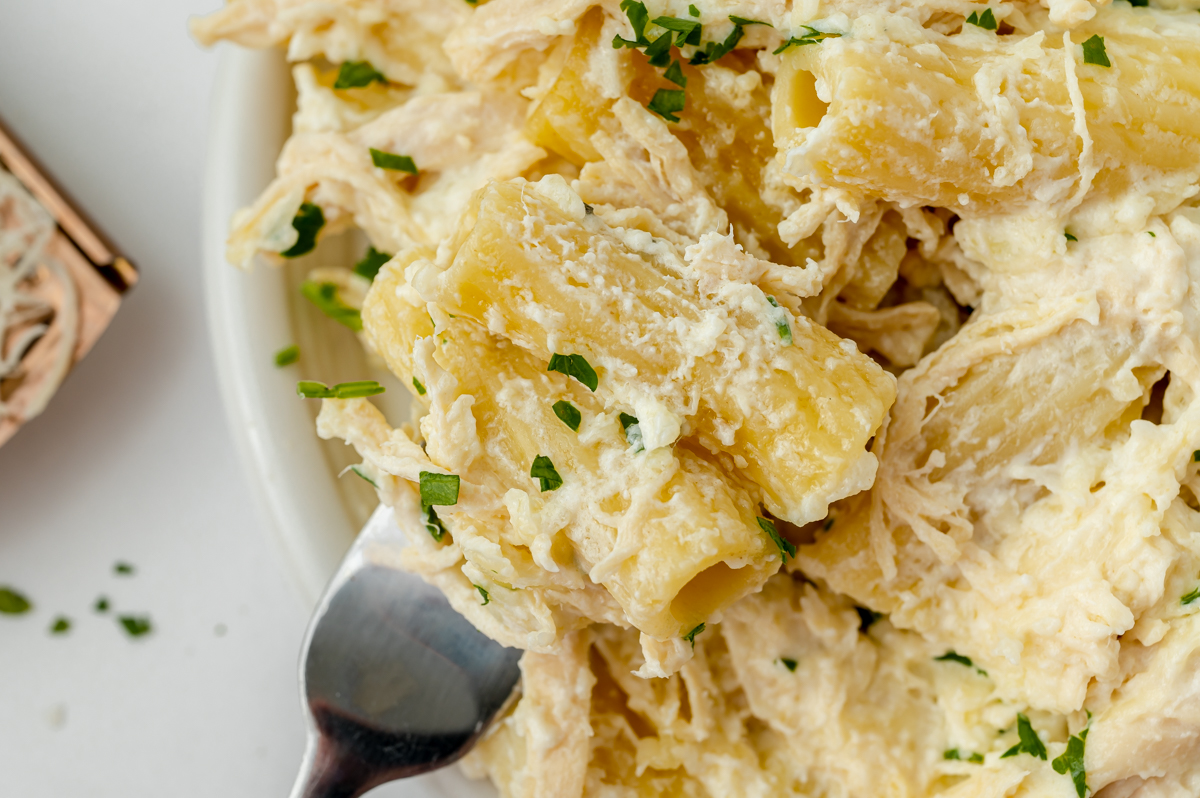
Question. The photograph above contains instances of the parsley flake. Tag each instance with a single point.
(715, 51)
(101, 605)
(638, 18)
(484, 594)
(61, 625)
(788, 663)
(695, 12)
(13, 603)
(393, 162)
(1151, 234)
(325, 297)
(371, 263)
(675, 74)
(1139, 3)
(357, 469)
(287, 356)
(688, 29)
(956, 755)
(813, 36)
(1071, 762)
(343, 390)
(568, 414)
(544, 472)
(307, 222)
(419, 387)
(1030, 742)
(987, 20)
(633, 432)
(866, 618)
(666, 102)
(1196, 456)
(575, 366)
(357, 74)
(786, 547)
(779, 318)
(136, 626)
(691, 636)
(746, 22)
(123, 569)
(433, 524)
(954, 656)
(1068, 236)
(659, 51)
(1190, 597)
(439, 488)
(1094, 52)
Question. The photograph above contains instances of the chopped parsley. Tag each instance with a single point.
(675, 74)
(715, 51)
(786, 547)
(357, 74)
(101, 605)
(1094, 52)
(1151, 234)
(695, 12)
(788, 663)
(987, 20)
(658, 52)
(136, 626)
(568, 414)
(666, 102)
(688, 30)
(813, 36)
(307, 222)
(956, 755)
(575, 366)
(1071, 762)
(371, 263)
(1030, 742)
(439, 489)
(633, 432)
(638, 18)
(357, 469)
(1196, 456)
(61, 625)
(393, 162)
(780, 319)
(1190, 597)
(747, 22)
(543, 471)
(1139, 3)
(419, 387)
(343, 390)
(13, 603)
(954, 656)
(828, 524)
(1068, 236)
(325, 297)
(866, 618)
(123, 569)
(691, 636)
(484, 594)
(433, 524)
(287, 356)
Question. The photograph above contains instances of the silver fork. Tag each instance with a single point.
(395, 682)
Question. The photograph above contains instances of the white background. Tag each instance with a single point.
(133, 459)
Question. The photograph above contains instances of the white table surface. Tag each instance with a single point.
(133, 459)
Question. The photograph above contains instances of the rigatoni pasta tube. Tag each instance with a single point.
(983, 123)
(663, 531)
(791, 404)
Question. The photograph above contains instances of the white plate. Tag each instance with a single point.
(313, 514)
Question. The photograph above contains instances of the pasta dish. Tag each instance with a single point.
(810, 388)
